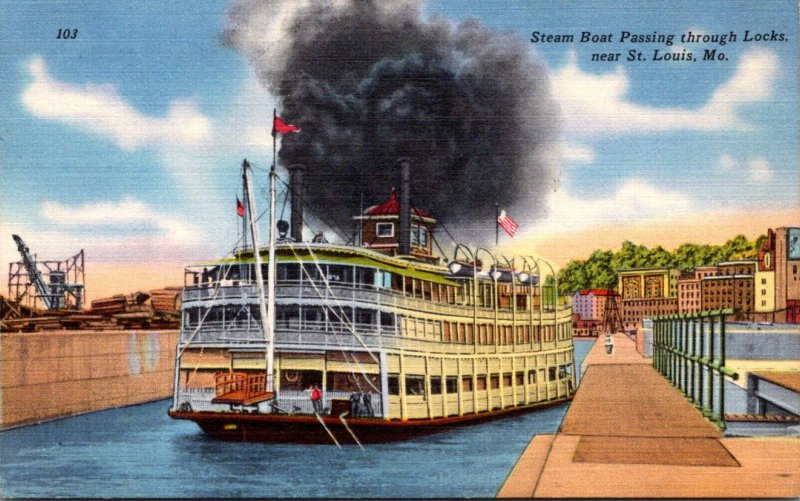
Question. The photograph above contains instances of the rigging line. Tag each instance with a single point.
(197, 366)
(342, 316)
(217, 289)
(453, 240)
(283, 207)
(328, 287)
(319, 418)
(357, 363)
(347, 427)
(337, 315)
(436, 242)
(337, 230)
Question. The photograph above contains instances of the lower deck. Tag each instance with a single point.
(386, 384)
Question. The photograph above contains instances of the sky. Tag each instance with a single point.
(127, 139)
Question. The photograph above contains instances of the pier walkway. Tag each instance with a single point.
(630, 433)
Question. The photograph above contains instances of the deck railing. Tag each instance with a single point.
(689, 350)
(249, 385)
(374, 296)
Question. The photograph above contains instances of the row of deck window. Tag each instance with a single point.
(415, 384)
(373, 278)
(340, 319)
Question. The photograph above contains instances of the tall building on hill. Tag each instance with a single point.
(690, 296)
(777, 276)
(646, 293)
(762, 289)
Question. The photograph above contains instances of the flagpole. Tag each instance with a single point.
(271, 264)
(496, 223)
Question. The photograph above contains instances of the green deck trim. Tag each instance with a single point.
(352, 257)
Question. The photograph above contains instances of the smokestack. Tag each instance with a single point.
(296, 172)
(404, 238)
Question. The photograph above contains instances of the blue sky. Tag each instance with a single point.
(127, 140)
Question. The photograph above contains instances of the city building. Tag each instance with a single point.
(777, 277)
(689, 289)
(636, 283)
(728, 291)
(731, 287)
(589, 310)
(647, 292)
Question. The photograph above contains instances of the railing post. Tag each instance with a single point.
(693, 360)
(711, 366)
(673, 359)
(701, 368)
(687, 361)
(721, 365)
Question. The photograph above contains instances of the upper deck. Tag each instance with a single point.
(323, 291)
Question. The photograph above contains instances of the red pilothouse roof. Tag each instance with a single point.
(391, 207)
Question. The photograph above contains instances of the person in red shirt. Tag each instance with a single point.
(316, 399)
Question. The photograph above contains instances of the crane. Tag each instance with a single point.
(49, 278)
(35, 276)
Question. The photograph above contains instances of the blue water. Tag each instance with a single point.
(140, 452)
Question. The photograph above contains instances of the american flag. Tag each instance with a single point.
(508, 224)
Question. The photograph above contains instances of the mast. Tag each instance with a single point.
(266, 323)
(271, 265)
(271, 280)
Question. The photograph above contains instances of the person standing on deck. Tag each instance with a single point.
(316, 399)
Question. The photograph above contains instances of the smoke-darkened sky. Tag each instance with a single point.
(368, 83)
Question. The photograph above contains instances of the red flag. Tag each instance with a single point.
(508, 224)
(239, 207)
(279, 125)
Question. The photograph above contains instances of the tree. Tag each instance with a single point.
(600, 270)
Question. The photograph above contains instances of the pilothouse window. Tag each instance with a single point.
(384, 230)
(419, 235)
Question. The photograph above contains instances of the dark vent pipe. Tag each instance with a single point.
(404, 237)
(296, 172)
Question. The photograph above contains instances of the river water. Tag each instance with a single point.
(140, 452)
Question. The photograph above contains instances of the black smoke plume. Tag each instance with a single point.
(370, 81)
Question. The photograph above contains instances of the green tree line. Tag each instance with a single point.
(599, 271)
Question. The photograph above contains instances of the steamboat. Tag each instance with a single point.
(390, 340)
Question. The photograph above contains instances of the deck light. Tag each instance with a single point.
(455, 267)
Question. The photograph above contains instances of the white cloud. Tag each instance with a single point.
(758, 169)
(726, 163)
(597, 105)
(101, 110)
(633, 201)
(573, 153)
(128, 213)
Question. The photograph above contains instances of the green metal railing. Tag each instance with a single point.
(689, 350)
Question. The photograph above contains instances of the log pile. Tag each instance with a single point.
(156, 309)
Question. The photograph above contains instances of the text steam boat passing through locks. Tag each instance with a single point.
(372, 342)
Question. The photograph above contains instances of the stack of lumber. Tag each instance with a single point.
(156, 309)
(58, 320)
(166, 300)
(121, 303)
(166, 304)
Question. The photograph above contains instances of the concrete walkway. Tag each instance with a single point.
(629, 433)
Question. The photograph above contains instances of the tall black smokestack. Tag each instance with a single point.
(404, 238)
(297, 186)
(472, 106)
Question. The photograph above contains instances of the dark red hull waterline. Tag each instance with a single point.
(303, 429)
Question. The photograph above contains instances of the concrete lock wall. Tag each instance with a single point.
(47, 375)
